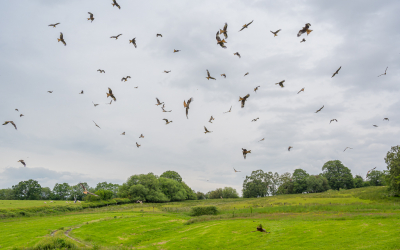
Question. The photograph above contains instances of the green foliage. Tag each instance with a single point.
(50, 243)
(226, 192)
(61, 191)
(46, 193)
(203, 210)
(190, 193)
(172, 189)
(285, 184)
(200, 195)
(392, 160)
(104, 194)
(27, 190)
(338, 175)
(256, 185)
(91, 198)
(7, 194)
(172, 175)
(108, 186)
(300, 181)
(358, 181)
(316, 184)
(376, 178)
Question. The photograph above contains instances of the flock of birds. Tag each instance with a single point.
(186, 104)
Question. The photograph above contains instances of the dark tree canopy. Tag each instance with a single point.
(392, 160)
(61, 191)
(172, 175)
(27, 190)
(376, 178)
(300, 181)
(226, 192)
(358, 181)
(317, 184)
(338, 175)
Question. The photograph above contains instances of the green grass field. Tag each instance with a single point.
(354, 219)
(23, 204)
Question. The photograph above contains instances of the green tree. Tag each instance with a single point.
(229, 192)
(300, 181)
(104, 194)
(172, 189)
(108, 186)
(285, 184)
(7, 194)
(215, 194)
(190, 193)
(172, 175)
(376, 178)
(358, 181)
(27, 190)
(316, 184)
(200, 195)
(46, 193)
(61, 191)
(338, 175)
(257, 184)
(392, 160)
(76, 191)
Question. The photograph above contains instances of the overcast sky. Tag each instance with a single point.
(60, 143)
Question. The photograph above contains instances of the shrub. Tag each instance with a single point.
(204, 210)
(55, 243)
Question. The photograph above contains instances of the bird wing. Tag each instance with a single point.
(205, 129)
(61, 36)
(250, 23)
(13, 124)
(217, 37)
(226, 28)
(184, 104)
(208, 73)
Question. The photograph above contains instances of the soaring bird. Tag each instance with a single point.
(237, 54)
(101, 71)
(255, 119)
(337, 71)
(347, 148)
(125, 78)
(209, 76)
(300, 91)
(163, 110)
(211, 119)
(7, 122)
(236, 170)
(303, 40)
(256, 88)
(167, 71)
(280, 83)
(85, 190)
(369, 171)
(81, 92)
(320, 109)
(246, 25)
(223, 75)
(375, 126)
(219, 41)
(62, 39)
(304, 30)
(275, 33)
(110, 94)
(186, 105)
(383, 73)
(289, 148)
(91, 17)
(206, 130)
(50, 91)
(176, 50)
(243, 100)
(245, 152)
(167, 122)
(246, 74)
(158, 102)
(158, 35)
(136, 87)
(17, 110)
(116, 37)
(95, 104)
(116, 4)
(387, 119)
(123, 133)
(138, 145)
(21, 115)
(54, 25)
(23, 162)
(332, 121)
(224, 31)
(133, 41)
(261, 139)
(97, 125)
(228, 110)
(141, 136)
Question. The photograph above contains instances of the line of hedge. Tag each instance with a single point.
(46, 210)
(203, 210)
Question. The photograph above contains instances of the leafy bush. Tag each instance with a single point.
(104, 194)
(204, 210)
(55, 243)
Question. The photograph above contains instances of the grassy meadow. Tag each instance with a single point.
(23, 204)
(362, 218)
